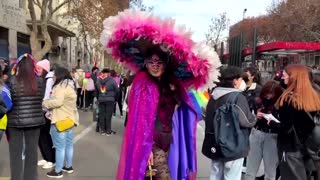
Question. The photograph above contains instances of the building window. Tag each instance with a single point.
(22, 4)
(317, 60)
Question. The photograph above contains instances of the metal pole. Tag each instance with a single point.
(241, 48)
(222, 52)
(70, 51)
(254, 47)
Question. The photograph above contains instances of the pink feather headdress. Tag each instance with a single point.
(122, 36)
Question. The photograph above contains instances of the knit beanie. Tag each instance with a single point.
(45, 64)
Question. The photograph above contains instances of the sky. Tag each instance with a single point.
(196, 14)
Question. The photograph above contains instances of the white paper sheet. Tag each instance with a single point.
(271, 117)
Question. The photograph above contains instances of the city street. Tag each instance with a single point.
(95, 156)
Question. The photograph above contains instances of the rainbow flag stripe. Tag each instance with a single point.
(199, 100)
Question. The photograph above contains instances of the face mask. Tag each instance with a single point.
(282, 84)
(242, 86)
(267, 103)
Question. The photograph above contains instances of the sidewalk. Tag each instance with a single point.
(96, 156)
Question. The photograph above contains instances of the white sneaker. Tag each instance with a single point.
(42, 162)
(48, 165)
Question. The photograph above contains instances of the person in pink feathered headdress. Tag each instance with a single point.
(158, 105)
(162, 116)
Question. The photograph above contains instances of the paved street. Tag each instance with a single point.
(96, 157)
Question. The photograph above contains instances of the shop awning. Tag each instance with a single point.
(282, 48)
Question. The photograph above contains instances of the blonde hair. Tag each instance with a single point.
(299, 92)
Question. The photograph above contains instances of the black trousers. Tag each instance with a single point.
(119, 101)
(126, 119)
(28, 170)
(89, 98)
(80, 99)
(45, 143)
(105, 115)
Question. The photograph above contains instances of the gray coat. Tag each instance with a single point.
(111, 92)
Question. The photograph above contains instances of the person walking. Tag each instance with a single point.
(79, 77)
(298, 103)
(64, 119)
(88, 90)
(25, 119)
(45, 141)
(107, 90)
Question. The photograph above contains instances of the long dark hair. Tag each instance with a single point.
(26, 77)
(61, 74)
(271, 90)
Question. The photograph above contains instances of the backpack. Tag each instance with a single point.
(228, 140)
(80, 79)
(90, 85)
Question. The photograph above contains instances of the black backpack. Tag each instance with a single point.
(228, 140)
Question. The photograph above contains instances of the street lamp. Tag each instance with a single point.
(244, 12)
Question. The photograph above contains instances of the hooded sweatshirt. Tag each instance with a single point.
(49, 84)
(107, 89)
(220, 96)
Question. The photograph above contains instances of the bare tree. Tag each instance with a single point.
(138, 4)
(216, 28)
(46, 12)
(91, 14)
(296, 20)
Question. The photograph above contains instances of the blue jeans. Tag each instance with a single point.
(262, 146)
(230, 170)
(63, 142)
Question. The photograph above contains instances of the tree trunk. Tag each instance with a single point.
(41, 52)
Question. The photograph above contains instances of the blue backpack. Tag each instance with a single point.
(228, 140)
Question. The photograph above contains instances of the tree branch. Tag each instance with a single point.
(58, 7)
(43, 10)
(33, 16)
(37, 2)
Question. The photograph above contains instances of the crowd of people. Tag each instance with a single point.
(271, 125)
(39, 108)
(283, 137)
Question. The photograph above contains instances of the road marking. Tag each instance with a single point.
(84, 132)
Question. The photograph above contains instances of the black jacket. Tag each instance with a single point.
(251, 93)
(26, 110)
(292, 118)
(110, 92)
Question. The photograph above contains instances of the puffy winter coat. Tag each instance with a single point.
(26, 110)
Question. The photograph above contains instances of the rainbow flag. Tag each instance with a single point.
(199, 100)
